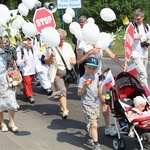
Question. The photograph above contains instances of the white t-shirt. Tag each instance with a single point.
(87, 47)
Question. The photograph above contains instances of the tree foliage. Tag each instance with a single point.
(92, 8)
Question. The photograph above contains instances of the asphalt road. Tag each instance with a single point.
(42, 128)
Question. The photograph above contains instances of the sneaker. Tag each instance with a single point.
(97, 147)
(65, 114)
(90, 142)
(49, 91)
(38, 83)
(31, 100)
(4, 128)
(13, 127)
(110, 131)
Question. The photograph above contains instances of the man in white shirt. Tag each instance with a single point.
(140, 46)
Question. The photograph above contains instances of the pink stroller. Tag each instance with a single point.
(122, 93)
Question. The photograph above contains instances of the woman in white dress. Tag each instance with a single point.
(7, 94)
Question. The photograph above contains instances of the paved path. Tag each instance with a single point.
(42, 128)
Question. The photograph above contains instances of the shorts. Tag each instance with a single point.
(91, 114)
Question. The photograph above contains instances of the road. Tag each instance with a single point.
(42, 128)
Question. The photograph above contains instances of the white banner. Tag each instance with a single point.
(63, 4)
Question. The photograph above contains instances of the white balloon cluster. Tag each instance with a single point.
(25, 6)
(68, 16)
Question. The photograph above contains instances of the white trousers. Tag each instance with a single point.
(141, 66)
(43, 77)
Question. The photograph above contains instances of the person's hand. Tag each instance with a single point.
(95, 51)
(137, 37)
(53, 54)
(87, 82)
(125, 66)
(72, 60)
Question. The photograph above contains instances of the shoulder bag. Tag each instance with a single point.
(71, 75)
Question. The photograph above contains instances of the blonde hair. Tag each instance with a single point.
(62, 32)
(4, 39)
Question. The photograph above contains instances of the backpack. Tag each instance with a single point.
(22, 52)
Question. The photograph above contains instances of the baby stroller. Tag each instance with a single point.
(122, 93)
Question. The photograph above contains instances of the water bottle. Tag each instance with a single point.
(108, 98)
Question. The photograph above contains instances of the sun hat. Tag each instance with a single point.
(138, 100)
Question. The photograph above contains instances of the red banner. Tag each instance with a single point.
(129, 41)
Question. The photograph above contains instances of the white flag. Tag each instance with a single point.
(109, 80)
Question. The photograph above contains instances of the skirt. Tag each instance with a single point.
(60, 85)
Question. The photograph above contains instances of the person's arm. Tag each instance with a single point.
(82, 90)
(81, 57)
(115, 58)
(49, 59)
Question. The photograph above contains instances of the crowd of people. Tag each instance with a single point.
(48, 67)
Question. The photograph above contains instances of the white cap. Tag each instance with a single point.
(138, 100)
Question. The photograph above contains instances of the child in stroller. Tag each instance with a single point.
(126, 88)
(139, 110)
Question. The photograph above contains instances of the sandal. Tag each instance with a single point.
(65, 114)
(13, 127)
(4, 127)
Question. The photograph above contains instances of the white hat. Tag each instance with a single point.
(138, 100)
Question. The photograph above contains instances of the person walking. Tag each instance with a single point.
(140, 46)
(57, 70)
(29, 64)
(7, 94)
(88, 90)
(86, 50)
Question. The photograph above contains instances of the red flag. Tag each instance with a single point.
(109, 80)
(129, 41)
(132, 69)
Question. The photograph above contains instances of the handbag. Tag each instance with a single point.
(71, 75)
(14, 76)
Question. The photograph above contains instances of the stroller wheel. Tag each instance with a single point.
(118, 144)
(146, 137)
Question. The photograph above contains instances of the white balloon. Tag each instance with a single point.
(18, 22)
(90, 32)
(107, 14)
(4, 34)
(29, 3)
(70, 11)
(90, 20)
(50, 36)
(2, 29)
(74, 27)
(23, 10)
(67, 18)
(29, 29)
(103, 41)
(79, 35)
(4, 14)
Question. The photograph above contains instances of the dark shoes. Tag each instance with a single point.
(49, 91)
(31, 99)
(38, 83)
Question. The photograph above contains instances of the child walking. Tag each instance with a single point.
(88, 90)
